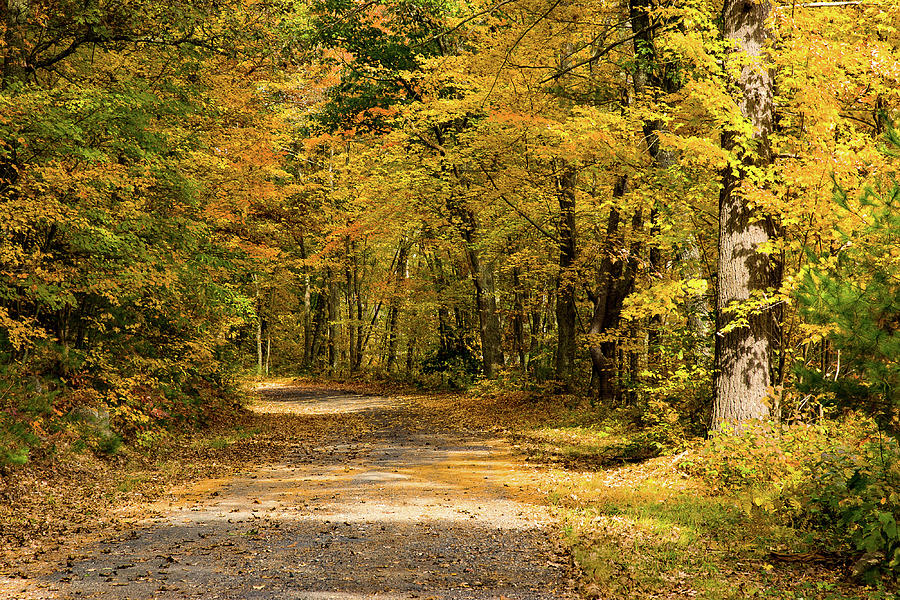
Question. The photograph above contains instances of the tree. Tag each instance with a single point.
(742, 343)
(851, 297)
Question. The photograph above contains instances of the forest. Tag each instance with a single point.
(681, 215)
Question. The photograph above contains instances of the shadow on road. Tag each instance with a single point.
(380, 505)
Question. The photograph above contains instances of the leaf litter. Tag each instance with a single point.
(331, 494)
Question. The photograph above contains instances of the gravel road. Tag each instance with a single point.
(394, 506)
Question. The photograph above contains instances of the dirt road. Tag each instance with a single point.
(386, 503)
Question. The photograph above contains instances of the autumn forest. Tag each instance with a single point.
(683, 216)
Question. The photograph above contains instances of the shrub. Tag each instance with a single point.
(853, 296)
(837, 482)
(851, 497)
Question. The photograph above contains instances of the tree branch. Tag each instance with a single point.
(520, 212)
(598, 54)
(463, 22)
(515, 44)
(91, 37)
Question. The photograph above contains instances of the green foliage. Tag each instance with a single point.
(387, 41)
(851, 494)
(457, 365)
(120, 283)
(25, 407)
(15, 440)
(662, 429)
(836, 482)
(758, 457)
(853, 295)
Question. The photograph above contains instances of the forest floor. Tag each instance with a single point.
(321, 493)
(331, 495)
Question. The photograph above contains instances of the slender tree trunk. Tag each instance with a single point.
(267, 327)
(565, 284)
(394, 313)
(485, 300)
(306, 298)
(651, 78)
(615, 282)
(489, 321)
(697, 303)
(259, 347)
(360, 326)
(410, 353)
(602, 349)
(743, 350)
(259, 327)
(349, 268)
(536, 335)
(15, 65)
(318, 327)
(333, 316)
(445, 329)
(519, 318)
(307, 323)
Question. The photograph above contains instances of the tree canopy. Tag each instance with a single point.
(628, 200)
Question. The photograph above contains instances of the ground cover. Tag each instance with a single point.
(633, 528)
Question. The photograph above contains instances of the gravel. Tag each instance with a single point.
(395, 507)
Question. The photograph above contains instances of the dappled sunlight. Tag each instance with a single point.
(386, 506)
(283, 398)
(450, 484)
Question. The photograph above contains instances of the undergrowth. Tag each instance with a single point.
(800, 511)
(41, 414)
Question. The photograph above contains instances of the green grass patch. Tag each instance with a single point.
(220, 442)
(648, 529)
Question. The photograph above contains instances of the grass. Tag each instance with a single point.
(220, 442)
(645, 529)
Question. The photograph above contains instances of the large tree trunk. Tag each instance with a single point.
(565, 284)
(743, 349)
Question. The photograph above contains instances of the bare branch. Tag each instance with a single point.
(598, 54)
(519, 211)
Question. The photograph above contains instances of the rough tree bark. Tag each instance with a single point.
(743, 352)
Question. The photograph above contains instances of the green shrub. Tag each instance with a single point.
(851, 497)
(759, 457)
(838, 483)
(853, 296)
